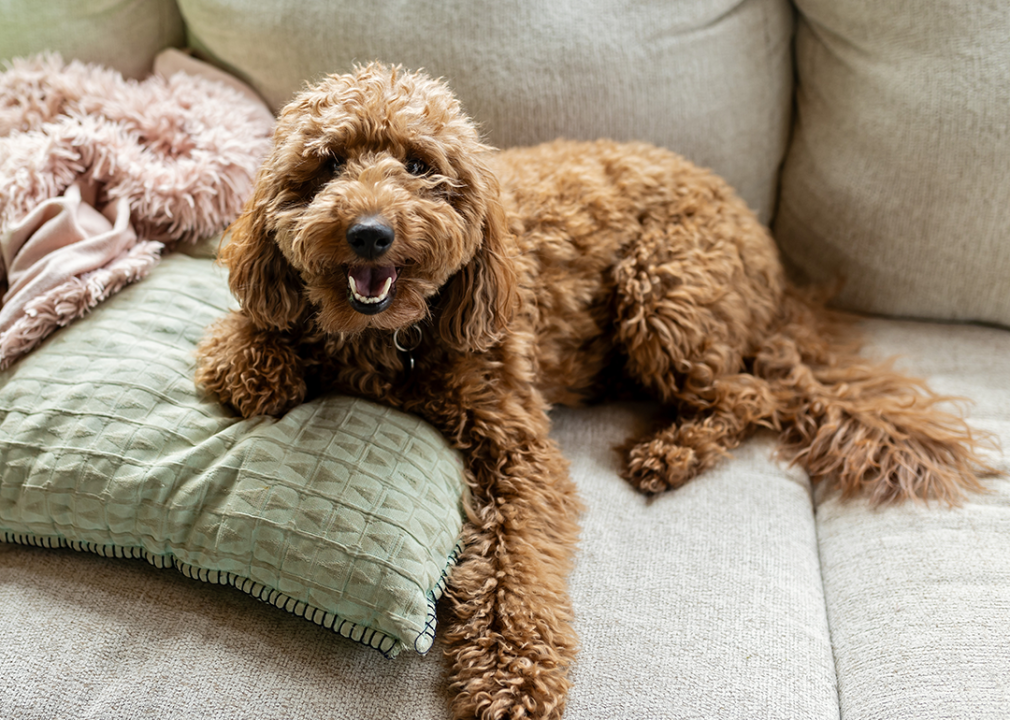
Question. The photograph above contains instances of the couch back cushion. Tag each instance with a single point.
(122, 34)
(710, 79)
(897, 181)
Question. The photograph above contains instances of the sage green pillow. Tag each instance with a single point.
(344, 512)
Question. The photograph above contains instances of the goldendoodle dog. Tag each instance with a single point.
(388, 253)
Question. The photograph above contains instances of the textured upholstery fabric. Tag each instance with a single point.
(121, 34)
(710, 79)
(918, 596)
(896, 180)
(343, 512)
(92, 638)
(702, 603)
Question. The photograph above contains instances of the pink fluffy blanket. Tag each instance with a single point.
(100, 174)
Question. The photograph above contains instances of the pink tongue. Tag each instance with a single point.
(369, 281)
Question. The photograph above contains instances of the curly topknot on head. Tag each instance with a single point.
(388, 106)
(375, 210)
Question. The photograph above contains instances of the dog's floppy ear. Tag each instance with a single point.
(478, 302)
(260, 277)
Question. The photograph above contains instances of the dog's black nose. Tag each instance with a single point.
(370, 237)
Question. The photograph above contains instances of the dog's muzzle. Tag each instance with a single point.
(370, 288)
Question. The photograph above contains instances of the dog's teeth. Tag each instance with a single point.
(366, 299)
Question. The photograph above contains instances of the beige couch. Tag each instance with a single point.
(875, 138)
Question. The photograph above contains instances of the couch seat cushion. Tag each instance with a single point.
(918, 595)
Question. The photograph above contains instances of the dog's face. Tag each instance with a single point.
(374, 197)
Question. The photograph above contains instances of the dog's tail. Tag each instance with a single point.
(858, 424)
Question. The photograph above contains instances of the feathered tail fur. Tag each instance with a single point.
(858, 424)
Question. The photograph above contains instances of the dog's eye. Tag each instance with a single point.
(335, 164)
(416, 166)
(305, 188)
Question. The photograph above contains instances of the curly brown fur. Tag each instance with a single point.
(529, 272)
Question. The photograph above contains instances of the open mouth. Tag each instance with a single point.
(370, 289)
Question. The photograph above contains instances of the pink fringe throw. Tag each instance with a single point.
(116, 171)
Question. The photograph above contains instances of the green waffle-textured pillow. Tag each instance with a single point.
(343, 512)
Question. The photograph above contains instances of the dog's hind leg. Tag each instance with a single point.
(691, 298)
(703, 434)
(710, 327)
(848, 421)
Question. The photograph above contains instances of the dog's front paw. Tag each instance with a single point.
(250, 369)
(510, 637)
(524, 690)
(503, 679)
